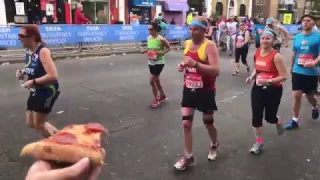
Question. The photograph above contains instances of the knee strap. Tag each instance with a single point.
(187, 118)
(208, 121)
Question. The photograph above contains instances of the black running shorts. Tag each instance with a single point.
(42, 102)
(156, 69)
(306, 84)
(204, 102)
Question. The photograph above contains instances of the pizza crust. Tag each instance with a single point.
(61, 153)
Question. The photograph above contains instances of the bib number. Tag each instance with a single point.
(152, 55)
(262, 77)
(305, 58)
(194, 82)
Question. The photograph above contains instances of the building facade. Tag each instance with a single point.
(229, 8)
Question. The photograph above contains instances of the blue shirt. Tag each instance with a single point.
(258, 28)
(307, 49)
(34, 69)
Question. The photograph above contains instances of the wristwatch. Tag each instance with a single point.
(196, 64)
(34, 82)
(269, 82)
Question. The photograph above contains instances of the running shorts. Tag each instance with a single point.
(203, 101)
(156, 69)
(265, 101)
(42, 102)
(306, 84)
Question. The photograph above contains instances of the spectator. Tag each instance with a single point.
(79, 18)
(173, 22)
(163, 26)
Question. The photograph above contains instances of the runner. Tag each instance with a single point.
(278, 29)
(158, 46)
(304, 69)
(242, 48)
(201, 67)
(266, 92)
(42, 77)
(232, 27)
(258, 29)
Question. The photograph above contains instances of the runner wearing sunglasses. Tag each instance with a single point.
(42, 80)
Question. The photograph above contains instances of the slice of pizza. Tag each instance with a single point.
(69, 145)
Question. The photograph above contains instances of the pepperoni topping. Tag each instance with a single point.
(65, 138)
(95, 127)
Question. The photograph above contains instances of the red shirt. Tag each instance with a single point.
(192, 78)
(265, 66)
(79, 18)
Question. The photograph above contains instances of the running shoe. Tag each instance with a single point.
(213, 152)
(256, 148)
(162, 98)
(155, 103)
(292, 125)
(315, 113)
(184, 163)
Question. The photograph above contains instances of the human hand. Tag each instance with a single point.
(28, 84)
(310, 64)
(249, 80)
(180, 67)
(19, 74)
(43, 170)
(188, 62)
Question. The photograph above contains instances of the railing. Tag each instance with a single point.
(72, 40)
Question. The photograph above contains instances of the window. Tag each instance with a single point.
(242, 10)
(219, 8)
(231, 4)
(260, 2)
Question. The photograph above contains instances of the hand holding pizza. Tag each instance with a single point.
(45, 170)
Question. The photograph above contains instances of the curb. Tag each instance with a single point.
(57, 57)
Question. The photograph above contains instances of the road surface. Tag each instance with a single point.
(144, 143)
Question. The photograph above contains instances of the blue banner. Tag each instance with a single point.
(56, 35)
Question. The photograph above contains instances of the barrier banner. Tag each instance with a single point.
(56, 35)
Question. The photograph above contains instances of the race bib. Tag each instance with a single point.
(262, 77)
(152, 55)
(194, 81)
(305, 58)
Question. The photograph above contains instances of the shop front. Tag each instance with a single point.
(140, 11)
(175, 11)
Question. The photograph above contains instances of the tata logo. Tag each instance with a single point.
(178, 27)
(5, 30)
(53, 28)
(92, 28)
(128, 28)
(304, 42)
(304, 47)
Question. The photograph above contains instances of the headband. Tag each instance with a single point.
(267, 33)
(198, 24)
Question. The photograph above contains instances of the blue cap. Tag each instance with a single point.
(270, 21)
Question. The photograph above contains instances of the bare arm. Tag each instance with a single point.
(285, 33)
(166, 45)
(209, 32)
(278, 61)
(246, 37)
(293, 57)
(212, 68)
(49, 67)
(253, 74)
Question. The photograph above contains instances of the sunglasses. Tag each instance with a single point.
(22, 36)
(150, 29)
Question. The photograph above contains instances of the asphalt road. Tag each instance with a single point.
(144, 143)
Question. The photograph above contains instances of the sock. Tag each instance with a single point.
(278, 122)
(295, 119)
(189, 155)
(259, 140)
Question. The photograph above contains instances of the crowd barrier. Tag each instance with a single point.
(57, 35)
